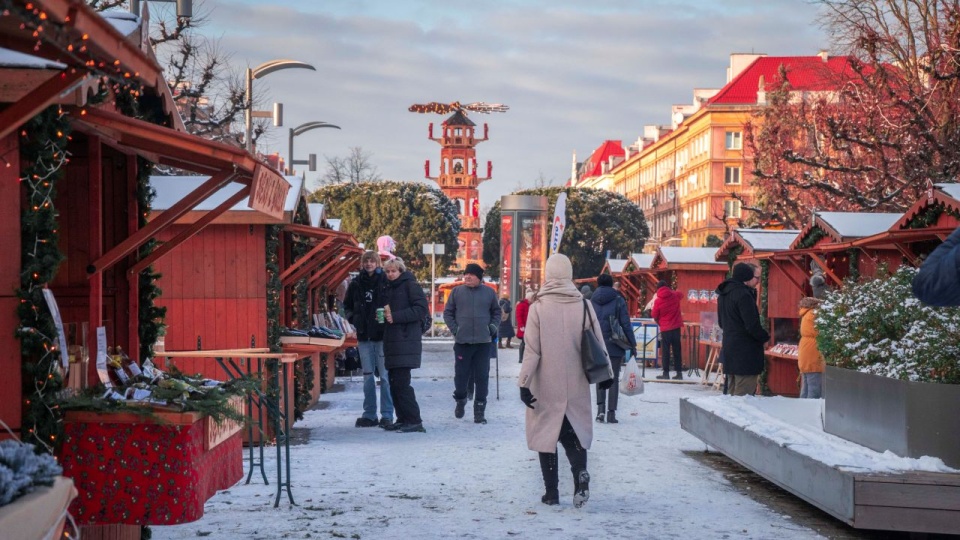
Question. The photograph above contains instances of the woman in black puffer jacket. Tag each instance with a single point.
(402, 347)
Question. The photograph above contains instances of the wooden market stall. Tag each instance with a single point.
(72, 92)
(782, 285)
(637, 281)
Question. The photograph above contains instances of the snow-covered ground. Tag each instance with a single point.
(463, 480)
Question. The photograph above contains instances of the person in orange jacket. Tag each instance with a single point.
(810, 360)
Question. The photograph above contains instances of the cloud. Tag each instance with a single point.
(574, 73)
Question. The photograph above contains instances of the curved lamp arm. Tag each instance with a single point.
(303, 128)
(267, 68)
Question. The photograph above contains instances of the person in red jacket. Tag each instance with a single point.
(666, 311)
(523, 307)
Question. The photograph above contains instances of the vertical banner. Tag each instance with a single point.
(559, 223)
(531, 254)
(506, 253)
(58, 322)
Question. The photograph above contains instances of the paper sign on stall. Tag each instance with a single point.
(61, 335)
(102, 357)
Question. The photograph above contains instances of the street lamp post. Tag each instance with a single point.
(184, 7)
(259, 72)
(311, 161)
(433, 250)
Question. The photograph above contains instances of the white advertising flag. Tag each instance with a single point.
(559, 222)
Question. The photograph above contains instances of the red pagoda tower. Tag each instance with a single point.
(458, 176)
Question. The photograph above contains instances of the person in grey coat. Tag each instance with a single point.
(473, 316)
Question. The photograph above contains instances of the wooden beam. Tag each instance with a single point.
(189, 232)
(17, 114)
(906, 253)
(826, 268)
(165, 219)
(321, 264)
(326, 274)
(787, 274)
(297, 269)
(95, 249)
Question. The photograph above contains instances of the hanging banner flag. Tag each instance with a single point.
(559, 222)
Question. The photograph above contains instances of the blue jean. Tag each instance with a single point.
(811, 385)
(371, 356)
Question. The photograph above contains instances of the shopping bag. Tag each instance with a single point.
(631, 382)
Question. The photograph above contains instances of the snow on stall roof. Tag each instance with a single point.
(859, 224)
(15, 59)
(125, 22)
(951, 189)
(797, 423)
(616, 265)
(317, 213)
(642, 260)
(334, 223)
(768, 240)
(691, 255)
(171, 189)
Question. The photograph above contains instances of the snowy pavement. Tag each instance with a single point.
(463, 480)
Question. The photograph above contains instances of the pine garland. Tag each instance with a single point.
(931, 215)
(43, 142)
(732, 258)
(812, 238)
(303, 372)
(273, 306)
(764, 321)
(854, 265)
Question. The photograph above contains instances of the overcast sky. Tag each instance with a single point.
(573, 72)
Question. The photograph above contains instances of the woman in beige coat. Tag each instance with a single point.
(552, 383)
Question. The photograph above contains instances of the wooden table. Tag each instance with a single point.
(712, 364)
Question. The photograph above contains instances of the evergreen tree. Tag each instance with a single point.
(598, 221)
(411, 213)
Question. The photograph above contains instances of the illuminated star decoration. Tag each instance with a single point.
(444, 108)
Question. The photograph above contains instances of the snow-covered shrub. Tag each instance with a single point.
(22, 469)
(879, 327)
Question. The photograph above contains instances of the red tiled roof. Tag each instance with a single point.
(593, 167)
(809, 73)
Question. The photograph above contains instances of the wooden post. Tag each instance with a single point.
(95, 241)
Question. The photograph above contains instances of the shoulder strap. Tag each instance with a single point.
(584, 326)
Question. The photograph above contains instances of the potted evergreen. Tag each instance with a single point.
(33, 496)
(893, 368)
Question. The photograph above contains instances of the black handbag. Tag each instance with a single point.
(617, 335)
(593, 353)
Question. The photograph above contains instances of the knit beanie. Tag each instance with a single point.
(558, 267)
(474, 269)
(604, 280)
(742, 272)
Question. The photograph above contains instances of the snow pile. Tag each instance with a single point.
(797, 424)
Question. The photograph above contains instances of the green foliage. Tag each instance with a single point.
(598, 221)
(22, 470)
(713, 240)
(43, 143)
(412, 214)
(879, 327)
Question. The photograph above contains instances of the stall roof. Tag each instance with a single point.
(318, 215)
(687, 255)
(846, 226)
(757, 241)
(615, 266)
(172, 189)
(334, 223)
(952, 189)
(642, 261)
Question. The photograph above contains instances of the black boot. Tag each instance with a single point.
(600, 417)
(461, 408)
(581, 490)
(612, 417)
(548, 467)
(478, 408)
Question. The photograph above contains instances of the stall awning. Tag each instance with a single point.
(333, 255)
(70, 33)
(267, 188)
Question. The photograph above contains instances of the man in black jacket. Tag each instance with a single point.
(938, 281)
(364, 296)
(743, 335)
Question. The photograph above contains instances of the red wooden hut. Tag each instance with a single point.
(783, 285)
(637, 281)
(97, 218)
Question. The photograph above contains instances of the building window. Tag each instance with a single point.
(731, 175)
(734, 140)
(731, 209)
